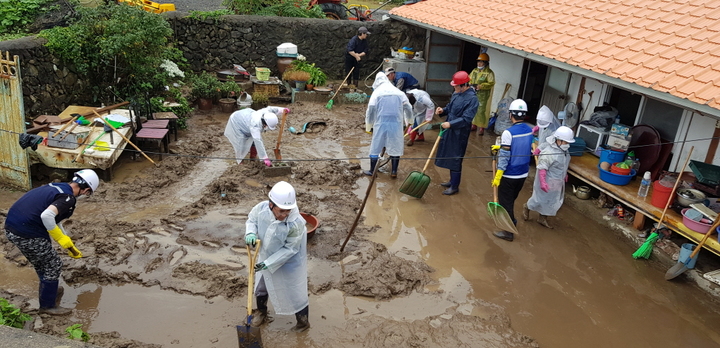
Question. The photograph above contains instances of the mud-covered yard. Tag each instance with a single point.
(174, 233)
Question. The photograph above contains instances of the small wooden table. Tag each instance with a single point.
(585, 168)
(170, 116)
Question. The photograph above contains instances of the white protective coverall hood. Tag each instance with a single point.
(548, 124)
(423, 110)
(245, 127)
(388, 112)
(555, 161)
(284, 252)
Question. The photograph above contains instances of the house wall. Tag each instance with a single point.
(698, 127)
(505, 66)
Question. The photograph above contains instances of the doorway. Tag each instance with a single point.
(532, 85)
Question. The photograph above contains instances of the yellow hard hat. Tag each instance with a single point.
(484, 56)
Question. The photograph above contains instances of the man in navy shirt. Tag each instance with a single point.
(402, 80)
(356, 50)
(35, 218)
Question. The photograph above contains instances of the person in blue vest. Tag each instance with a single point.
(402, 80)
(35, 218)
(460, 112)
(514, 155)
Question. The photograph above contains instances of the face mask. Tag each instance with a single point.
(481, 67)
(565, 147)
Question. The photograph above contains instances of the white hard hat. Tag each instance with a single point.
(271, 119)
(389, 71)
(545, 117)
(518, 108)
(565, 133)
(283, 195)
(87, 178)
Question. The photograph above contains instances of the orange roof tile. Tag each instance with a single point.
(671, 45)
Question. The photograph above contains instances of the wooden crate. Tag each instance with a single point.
(269, 90)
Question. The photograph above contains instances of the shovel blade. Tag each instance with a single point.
(249, 337)
(501, 217)
(676, 270)
(415, 184)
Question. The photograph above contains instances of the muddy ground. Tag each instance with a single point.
(179, 226)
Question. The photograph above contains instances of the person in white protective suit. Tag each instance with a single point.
(282, 272)
(388, 111)
(546, 126)
(244, 130)
(423, 110)
(549, 186)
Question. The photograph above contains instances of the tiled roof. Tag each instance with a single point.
(670, 46)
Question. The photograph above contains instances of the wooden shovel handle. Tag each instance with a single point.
(341, 84)
(362, 206)
(677, 181)
(126, 139)
(705, 237)
(68, 132)
(495, 188)
(280, 132)
(416, 128)
(432, 152)
(251, 276)
(72, 120)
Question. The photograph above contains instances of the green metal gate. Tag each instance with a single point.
(14, 161)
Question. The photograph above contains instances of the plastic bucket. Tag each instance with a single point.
(607, 155)
(244, 101)
(661, 194)
(685, 251)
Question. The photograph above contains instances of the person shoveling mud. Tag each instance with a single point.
(244, 131)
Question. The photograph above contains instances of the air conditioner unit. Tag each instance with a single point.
(594, 137)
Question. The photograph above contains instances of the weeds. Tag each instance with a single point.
(11, 315)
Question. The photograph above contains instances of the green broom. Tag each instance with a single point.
(646, 249)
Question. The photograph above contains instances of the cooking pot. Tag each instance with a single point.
(582, 192)
(685, 197)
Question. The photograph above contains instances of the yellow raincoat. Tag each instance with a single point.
(485, 80)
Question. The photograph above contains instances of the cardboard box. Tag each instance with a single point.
(617, 142)
(620, 129)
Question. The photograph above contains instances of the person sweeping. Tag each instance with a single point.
(549, 186)
(282, 273)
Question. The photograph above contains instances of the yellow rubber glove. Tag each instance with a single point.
(368, 128)
(74, 252)
(64, 241)
(498, 175)
(494, 149)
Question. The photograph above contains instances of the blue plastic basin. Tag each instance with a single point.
(615, 179)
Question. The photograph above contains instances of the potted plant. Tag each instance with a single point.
(229, 91)
(260, 100)
(205, 89)
(317, 76)
(300, 78)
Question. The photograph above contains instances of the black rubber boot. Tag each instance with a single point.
(454, 183)
(508, 236)
(373, 163)
(303, 320)
(261, 316)
(49, 298)
(395, 160)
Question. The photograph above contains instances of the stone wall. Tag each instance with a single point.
(215, 44)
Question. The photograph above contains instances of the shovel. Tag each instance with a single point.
(330, 102)
(278, 156)
(417, 182)
(248, 336)
(682, 266)
(362, 206)
(497, 212)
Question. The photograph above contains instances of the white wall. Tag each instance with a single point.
(699, 127)
(507, 69)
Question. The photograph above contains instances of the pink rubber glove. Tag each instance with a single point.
(409, 129)
(536, 151)
(566, 177)
(268, 162)
(536, 129)
(543, 180)
(287, 111)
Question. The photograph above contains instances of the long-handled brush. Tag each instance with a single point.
(646, 249)
(330, 102)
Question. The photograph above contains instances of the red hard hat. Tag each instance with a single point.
(460, 78)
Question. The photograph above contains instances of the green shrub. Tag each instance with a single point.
(117, 49)
(205, 85)
(282, 8)
(16, 15)
(11, 315)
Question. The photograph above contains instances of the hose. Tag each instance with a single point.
(371, 74)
